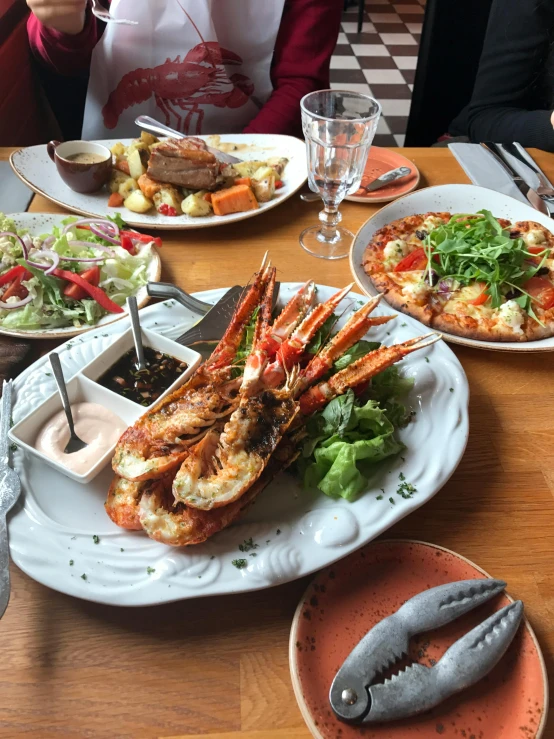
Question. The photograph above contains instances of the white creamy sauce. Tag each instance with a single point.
(96, 425)
(512, 315)
(534, 237)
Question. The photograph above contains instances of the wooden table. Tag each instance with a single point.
(218, 667)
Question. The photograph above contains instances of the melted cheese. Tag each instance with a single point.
(416, 290)
(534, 237)
(512, 315)
(431, 222)
(394, 251)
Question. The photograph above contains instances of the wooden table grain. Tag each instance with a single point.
(218, 667)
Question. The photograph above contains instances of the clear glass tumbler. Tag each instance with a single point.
(339, 127)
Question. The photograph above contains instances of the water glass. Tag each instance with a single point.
(339, 127)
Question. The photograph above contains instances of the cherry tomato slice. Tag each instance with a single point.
(482, 297)
(417, 259)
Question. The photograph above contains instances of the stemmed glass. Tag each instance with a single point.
(339, 127)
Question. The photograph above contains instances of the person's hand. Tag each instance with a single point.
(552, 119)
(67, 16)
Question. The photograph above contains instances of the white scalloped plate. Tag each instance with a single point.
(40, 223)
(298, 531)
(34, 167)
(454, 199)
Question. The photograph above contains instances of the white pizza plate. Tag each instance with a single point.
(41, 223)
(297, 531)
(454, 199)
(35, 168)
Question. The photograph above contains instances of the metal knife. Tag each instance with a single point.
(531, 195)
(154, 126)
(545, 189)
(384, 179)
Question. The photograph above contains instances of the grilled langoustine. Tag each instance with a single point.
(251, 439)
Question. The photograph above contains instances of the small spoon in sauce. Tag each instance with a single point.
(75, 444)
(137, 336)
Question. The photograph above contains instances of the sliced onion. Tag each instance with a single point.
(89, 245)
(48, 241)
(27, 241)
(15, 236)
(98, 231)
(48, 269)
(97, 221)
(19, 304)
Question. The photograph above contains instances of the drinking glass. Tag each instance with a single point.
(339, 127)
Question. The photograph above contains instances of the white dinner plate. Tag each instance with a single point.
(38, 224)
(36, 169)
(297, 531)
(453, 199)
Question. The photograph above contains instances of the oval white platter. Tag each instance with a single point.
(41, 223)
(297, 531)
(35, 168)
(454, 199)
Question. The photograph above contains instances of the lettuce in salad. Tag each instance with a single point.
(345, 440)
(121, 275)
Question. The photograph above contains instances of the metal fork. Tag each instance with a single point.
(10, 489)
(103, 15)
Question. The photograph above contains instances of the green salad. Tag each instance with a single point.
(72, 276)
(352, 433)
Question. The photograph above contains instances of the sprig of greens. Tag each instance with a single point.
(475, 248)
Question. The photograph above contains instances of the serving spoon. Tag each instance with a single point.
(137, 335)
(75, 444)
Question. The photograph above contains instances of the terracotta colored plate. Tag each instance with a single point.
(348, 598)
(381, 161)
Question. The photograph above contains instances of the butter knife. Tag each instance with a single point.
(384, 179)
(528, 192)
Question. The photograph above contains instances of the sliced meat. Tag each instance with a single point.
(184, 162)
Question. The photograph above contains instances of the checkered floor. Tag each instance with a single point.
(381, 60)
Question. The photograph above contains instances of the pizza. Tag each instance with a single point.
(470, 275)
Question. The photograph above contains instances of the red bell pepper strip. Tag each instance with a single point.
(95, 292)
(143, 238)
(127, 243)
(92, 276)
(14, 272)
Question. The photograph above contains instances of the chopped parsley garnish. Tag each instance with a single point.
(253, 554)
(240, 564)
(96, 539)
(475, 248)
(405, 489)
(83, 577)
(379, 497)
(451, 389)
(13, 447)
(247, 545)
(71, 563)
(121, 549)
(427, 360)
(278, 532)
(391, 500)
(150, 570)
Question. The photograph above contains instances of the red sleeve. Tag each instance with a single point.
(306, 40)
(62, 53)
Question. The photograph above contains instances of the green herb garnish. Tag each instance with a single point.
(247, 545)
(240, 564)
(475, 248)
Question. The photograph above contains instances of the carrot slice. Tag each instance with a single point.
(236, 199)
(243, 181)
(115, 200)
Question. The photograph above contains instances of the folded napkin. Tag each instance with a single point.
(14, 195)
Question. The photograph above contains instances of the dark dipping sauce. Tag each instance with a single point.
(146, 386)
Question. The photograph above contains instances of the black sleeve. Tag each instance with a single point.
(504, 103)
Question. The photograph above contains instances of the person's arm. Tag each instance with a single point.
(64, 53)
(306, 40)
(503, 104)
